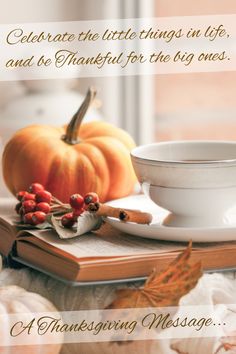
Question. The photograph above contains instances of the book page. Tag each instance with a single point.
(108, 242)
(7, 206)
(114, 245)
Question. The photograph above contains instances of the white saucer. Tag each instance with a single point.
(157, 231)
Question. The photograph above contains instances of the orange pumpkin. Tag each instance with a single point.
(79, 158)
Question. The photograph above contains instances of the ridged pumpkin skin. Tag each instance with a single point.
(100, 162)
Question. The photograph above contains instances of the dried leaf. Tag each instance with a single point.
(164, 288)
(85, 223)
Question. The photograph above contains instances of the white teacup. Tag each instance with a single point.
(194, 180)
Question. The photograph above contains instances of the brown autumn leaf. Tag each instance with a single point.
(163, 288)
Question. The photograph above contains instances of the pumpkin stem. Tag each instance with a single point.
(71, 136)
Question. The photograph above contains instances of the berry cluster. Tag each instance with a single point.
(78, 204)
(34, 204)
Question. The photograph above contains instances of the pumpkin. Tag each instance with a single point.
(79, 158)
(15, 300)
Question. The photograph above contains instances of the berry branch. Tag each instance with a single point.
(37, 205)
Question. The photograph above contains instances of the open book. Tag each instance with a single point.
(106, 254)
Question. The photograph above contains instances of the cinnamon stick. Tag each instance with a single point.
(125, 215)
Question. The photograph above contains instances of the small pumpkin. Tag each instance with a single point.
(16, 301)
(79, 158)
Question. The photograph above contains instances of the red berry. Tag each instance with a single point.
(67, 220)
(28, 206)
(36, 187)
(44, 196)
(77, 213)
(44, 207)
(38, 217)
(77, 201)
(27, 218)
(18, 207)
(91, 198)
(20, 195)
(28, 196)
